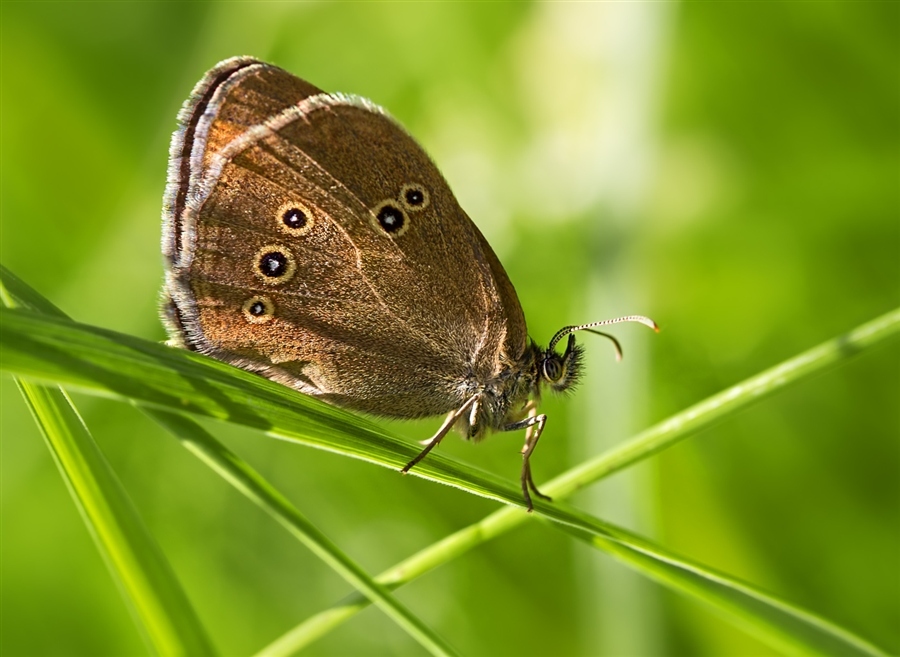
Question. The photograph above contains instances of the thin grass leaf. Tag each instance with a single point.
(162, 611)
(786, 628)
(249, 482)
(422, 562)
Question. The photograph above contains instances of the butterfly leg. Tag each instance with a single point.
(443, 431)
(534, 427)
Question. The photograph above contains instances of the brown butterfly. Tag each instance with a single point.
(310, 239)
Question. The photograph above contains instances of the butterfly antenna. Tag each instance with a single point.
(640, 319)
(612, 339)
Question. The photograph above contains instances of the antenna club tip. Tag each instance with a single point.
(646, 321)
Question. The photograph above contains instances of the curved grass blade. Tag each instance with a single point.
(249, 482)
(228, 465)
(107, 363)
(161, 609)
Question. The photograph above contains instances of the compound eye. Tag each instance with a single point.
(553, 369)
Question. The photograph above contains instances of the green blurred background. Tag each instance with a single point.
(732, 170)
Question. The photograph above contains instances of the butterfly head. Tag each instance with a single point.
(561, 371)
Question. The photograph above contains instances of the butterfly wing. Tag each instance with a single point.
(311, 239)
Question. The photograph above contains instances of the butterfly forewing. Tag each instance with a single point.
(324, 249)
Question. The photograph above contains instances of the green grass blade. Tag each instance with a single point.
(785, 627)
(103, 362)
(108, 363)
(162, 611)
(227, 464)
(424, 561)
(16, 293)
(249, 482)
(646, 443)
(150, 588)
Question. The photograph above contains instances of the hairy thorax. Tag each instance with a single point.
(502, 397)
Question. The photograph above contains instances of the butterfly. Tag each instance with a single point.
(310, 239)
